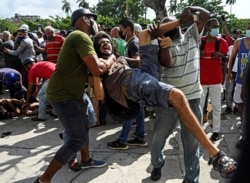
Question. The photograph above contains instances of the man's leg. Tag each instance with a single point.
(126, 127)
(140, 130)
(73, 121)
(191, 147)
(165, 122)
(179, 101)
(140, 124)
(42, 101)
(120, 142)
(215, 96)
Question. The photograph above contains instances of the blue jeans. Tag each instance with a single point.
(127, 125)
(166, 119)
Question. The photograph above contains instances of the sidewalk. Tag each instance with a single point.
(26, 152)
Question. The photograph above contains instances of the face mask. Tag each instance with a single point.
(93, 27)
(214, 32)
(248, 33)
(19, 38)
(121, 35)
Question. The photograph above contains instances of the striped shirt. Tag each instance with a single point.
(184, 72)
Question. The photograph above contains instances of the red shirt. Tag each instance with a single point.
(211, 68)
(41, 69)
(53, 47)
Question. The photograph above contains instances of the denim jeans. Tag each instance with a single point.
(126, 127)
(74, 120)
(166, 119)
(91, 117)
(42, 101)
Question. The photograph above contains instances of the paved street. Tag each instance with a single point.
(26, 152)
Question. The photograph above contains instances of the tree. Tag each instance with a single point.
(158, 6)
(66, 7)
(83, 3)
(116, 9)
(231, 2)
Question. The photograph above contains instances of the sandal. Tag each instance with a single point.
(37, 180)
(74, 165)
(223, 164)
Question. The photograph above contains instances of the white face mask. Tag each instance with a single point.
(248, 33)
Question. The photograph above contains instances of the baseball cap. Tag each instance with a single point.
(23, 28)
(237, 31)
(137, 27)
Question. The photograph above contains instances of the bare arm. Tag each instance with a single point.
(233, 57)
(98, 66)
(134, 62)
(189, 11)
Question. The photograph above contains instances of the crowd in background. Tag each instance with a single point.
(29, 58)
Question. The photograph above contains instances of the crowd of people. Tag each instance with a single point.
(173, 71)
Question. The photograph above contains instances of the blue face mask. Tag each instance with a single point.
(214, 32)
(248, 33)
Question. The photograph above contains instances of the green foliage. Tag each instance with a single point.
(116, 10)
(5, 24)
(110, 12)
(216, 9)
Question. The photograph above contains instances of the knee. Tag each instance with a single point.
(176, 97)
(76, 143)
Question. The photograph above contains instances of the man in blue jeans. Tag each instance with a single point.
(122, 143)
(184, 75)
(131, 51)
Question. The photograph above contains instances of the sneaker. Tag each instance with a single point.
(215, 137)
(236, 112)
(53, 115)
(60, 135)
(93, 164)
(37, 119)
(137, 142)
(117, 145)
(156, 173)
(240, 144)
(227, 111)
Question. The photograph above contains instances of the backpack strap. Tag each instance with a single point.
(217, 44)
(203, 42)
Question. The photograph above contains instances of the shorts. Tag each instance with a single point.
(145, 89)
(237, 92)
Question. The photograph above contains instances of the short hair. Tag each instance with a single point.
(50, 28)
(7, 34)
(211, 20)
(126, 22)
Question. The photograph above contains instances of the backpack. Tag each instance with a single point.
(203, 43)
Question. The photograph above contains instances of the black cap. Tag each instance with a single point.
(81, 12)
(237, 31)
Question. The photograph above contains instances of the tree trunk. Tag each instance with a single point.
(158, 6)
